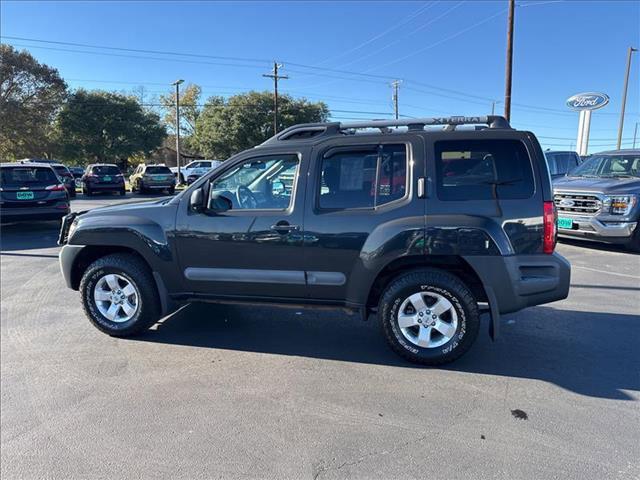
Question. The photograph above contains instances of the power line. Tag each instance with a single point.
(404, 21)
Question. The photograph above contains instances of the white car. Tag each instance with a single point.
(194, 166)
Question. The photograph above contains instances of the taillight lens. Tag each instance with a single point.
(550, 232)
(55, 188)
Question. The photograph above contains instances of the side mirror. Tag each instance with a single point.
(218, 203)
(196, 201)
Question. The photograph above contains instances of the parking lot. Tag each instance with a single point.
(227, 391)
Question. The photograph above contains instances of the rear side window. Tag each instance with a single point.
(105, 170)
(368, 178)
(561, 163)
(23, 176)
(483, 169)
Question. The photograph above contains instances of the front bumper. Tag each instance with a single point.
(519, 281)
(598, 229)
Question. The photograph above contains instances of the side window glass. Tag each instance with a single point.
(363, 179)
(262, 183)
(483, 170)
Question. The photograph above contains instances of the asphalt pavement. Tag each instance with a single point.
(242, 392)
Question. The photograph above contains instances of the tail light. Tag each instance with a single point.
(550, 232)
(55, 188)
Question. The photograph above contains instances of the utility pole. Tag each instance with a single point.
(395, 84)
(493, 106)
(177, 84)
(624, 96)
(509, 63)
(635, 133)
(275, 77)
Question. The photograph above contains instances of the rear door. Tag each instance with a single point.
(361, 212)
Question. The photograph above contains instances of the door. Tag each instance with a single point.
(362, 212)
(254, 248)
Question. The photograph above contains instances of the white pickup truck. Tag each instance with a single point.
(191, 167)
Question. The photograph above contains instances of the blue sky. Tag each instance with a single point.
(450, 54)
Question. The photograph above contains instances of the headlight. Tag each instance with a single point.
(620, 204)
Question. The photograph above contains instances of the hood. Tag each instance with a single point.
(600, 184)
(127, 208)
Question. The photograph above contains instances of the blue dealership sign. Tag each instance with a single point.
(587, 101)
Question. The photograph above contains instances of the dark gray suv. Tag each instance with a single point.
(426, 224)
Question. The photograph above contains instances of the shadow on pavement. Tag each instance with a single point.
(593, 354)
(29, 235)
(593, 245)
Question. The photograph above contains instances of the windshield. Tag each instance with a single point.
(609, 166)
(24, 176)
(105, 170)
(62, 171)
(158, 170)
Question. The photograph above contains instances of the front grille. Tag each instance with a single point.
(576, 203)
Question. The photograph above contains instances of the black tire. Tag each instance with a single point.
(141, 188)
(181, 179)
(72, 193)
(437, 282)
(136, 272)
(172, 190)
(86, 191)
(123, 192)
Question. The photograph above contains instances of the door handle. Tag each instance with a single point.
(284, 226)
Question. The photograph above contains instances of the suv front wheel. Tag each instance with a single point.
(429, 317)
(119, 295)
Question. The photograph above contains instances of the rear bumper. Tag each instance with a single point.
(8, 214)
(521, 281)
(103, 187)
(159, 186)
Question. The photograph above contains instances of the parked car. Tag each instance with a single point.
(31, 191)
(599, 200)
(195, 174)
(152, 177)
(103, 177)
(190, 167)
(561, 162)
(77, 173)
(348, 215)
(61, 170)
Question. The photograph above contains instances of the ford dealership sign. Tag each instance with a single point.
(587, 101)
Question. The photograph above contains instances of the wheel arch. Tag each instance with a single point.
(91, 253)
(453, 264)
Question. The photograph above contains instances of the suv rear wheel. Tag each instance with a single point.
(119, 295)
(429, 317)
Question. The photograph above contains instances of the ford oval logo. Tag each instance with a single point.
(565, 202)
(587, 101)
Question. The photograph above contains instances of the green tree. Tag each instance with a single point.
(105, 126)
(31, 94)
(225, 127)
(189, 111)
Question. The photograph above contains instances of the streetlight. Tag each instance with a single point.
(177, 84)
(624, 96)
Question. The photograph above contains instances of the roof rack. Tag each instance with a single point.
(309, 130)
